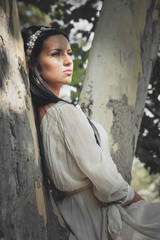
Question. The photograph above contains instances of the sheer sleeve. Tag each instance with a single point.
(108, 184)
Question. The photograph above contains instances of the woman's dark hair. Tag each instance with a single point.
(41, 95)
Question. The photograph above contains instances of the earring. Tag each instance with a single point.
(37, 80)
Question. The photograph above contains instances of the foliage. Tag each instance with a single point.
(64, 12)
(148, 147)
(147, 185)
(31, 15)
(79, 60)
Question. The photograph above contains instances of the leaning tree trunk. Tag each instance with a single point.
(25, 209)
(120, 64)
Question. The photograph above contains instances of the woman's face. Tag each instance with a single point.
(56, 65)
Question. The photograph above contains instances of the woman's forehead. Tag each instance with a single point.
(56, 41)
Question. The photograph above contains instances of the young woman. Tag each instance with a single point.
(98, 204)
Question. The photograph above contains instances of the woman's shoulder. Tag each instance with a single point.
(60, 109)
(64, 108)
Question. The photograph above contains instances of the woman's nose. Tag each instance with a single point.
(67, 60)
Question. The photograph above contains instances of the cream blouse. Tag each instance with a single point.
(74, 159)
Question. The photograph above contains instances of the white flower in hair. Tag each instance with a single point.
(33, 39)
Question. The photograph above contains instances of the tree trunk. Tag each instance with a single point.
(120, 64)
(25, 207)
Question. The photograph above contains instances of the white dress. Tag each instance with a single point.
(95, 206)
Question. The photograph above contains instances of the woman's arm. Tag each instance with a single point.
(108, 183)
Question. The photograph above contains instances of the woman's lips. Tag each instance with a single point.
(68, 71)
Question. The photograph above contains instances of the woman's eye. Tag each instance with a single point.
(70, 53)
(55, 54)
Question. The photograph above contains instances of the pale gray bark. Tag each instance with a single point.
(119, 69)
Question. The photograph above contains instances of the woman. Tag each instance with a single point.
(98, 203)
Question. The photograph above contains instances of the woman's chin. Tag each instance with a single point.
(68, 81)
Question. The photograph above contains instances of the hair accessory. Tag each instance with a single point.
(33, 39)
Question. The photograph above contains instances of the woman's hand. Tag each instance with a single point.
(136, 198)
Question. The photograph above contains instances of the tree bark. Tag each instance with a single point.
(119, 69)
(25, 205)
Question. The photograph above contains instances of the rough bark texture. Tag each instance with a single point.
(120, 64)
(26, 211)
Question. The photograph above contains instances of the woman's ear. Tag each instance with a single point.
(31, 67)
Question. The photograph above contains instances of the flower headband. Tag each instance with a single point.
(33, 39)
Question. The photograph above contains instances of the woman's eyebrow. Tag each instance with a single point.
(58, 49)
(53, 49)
